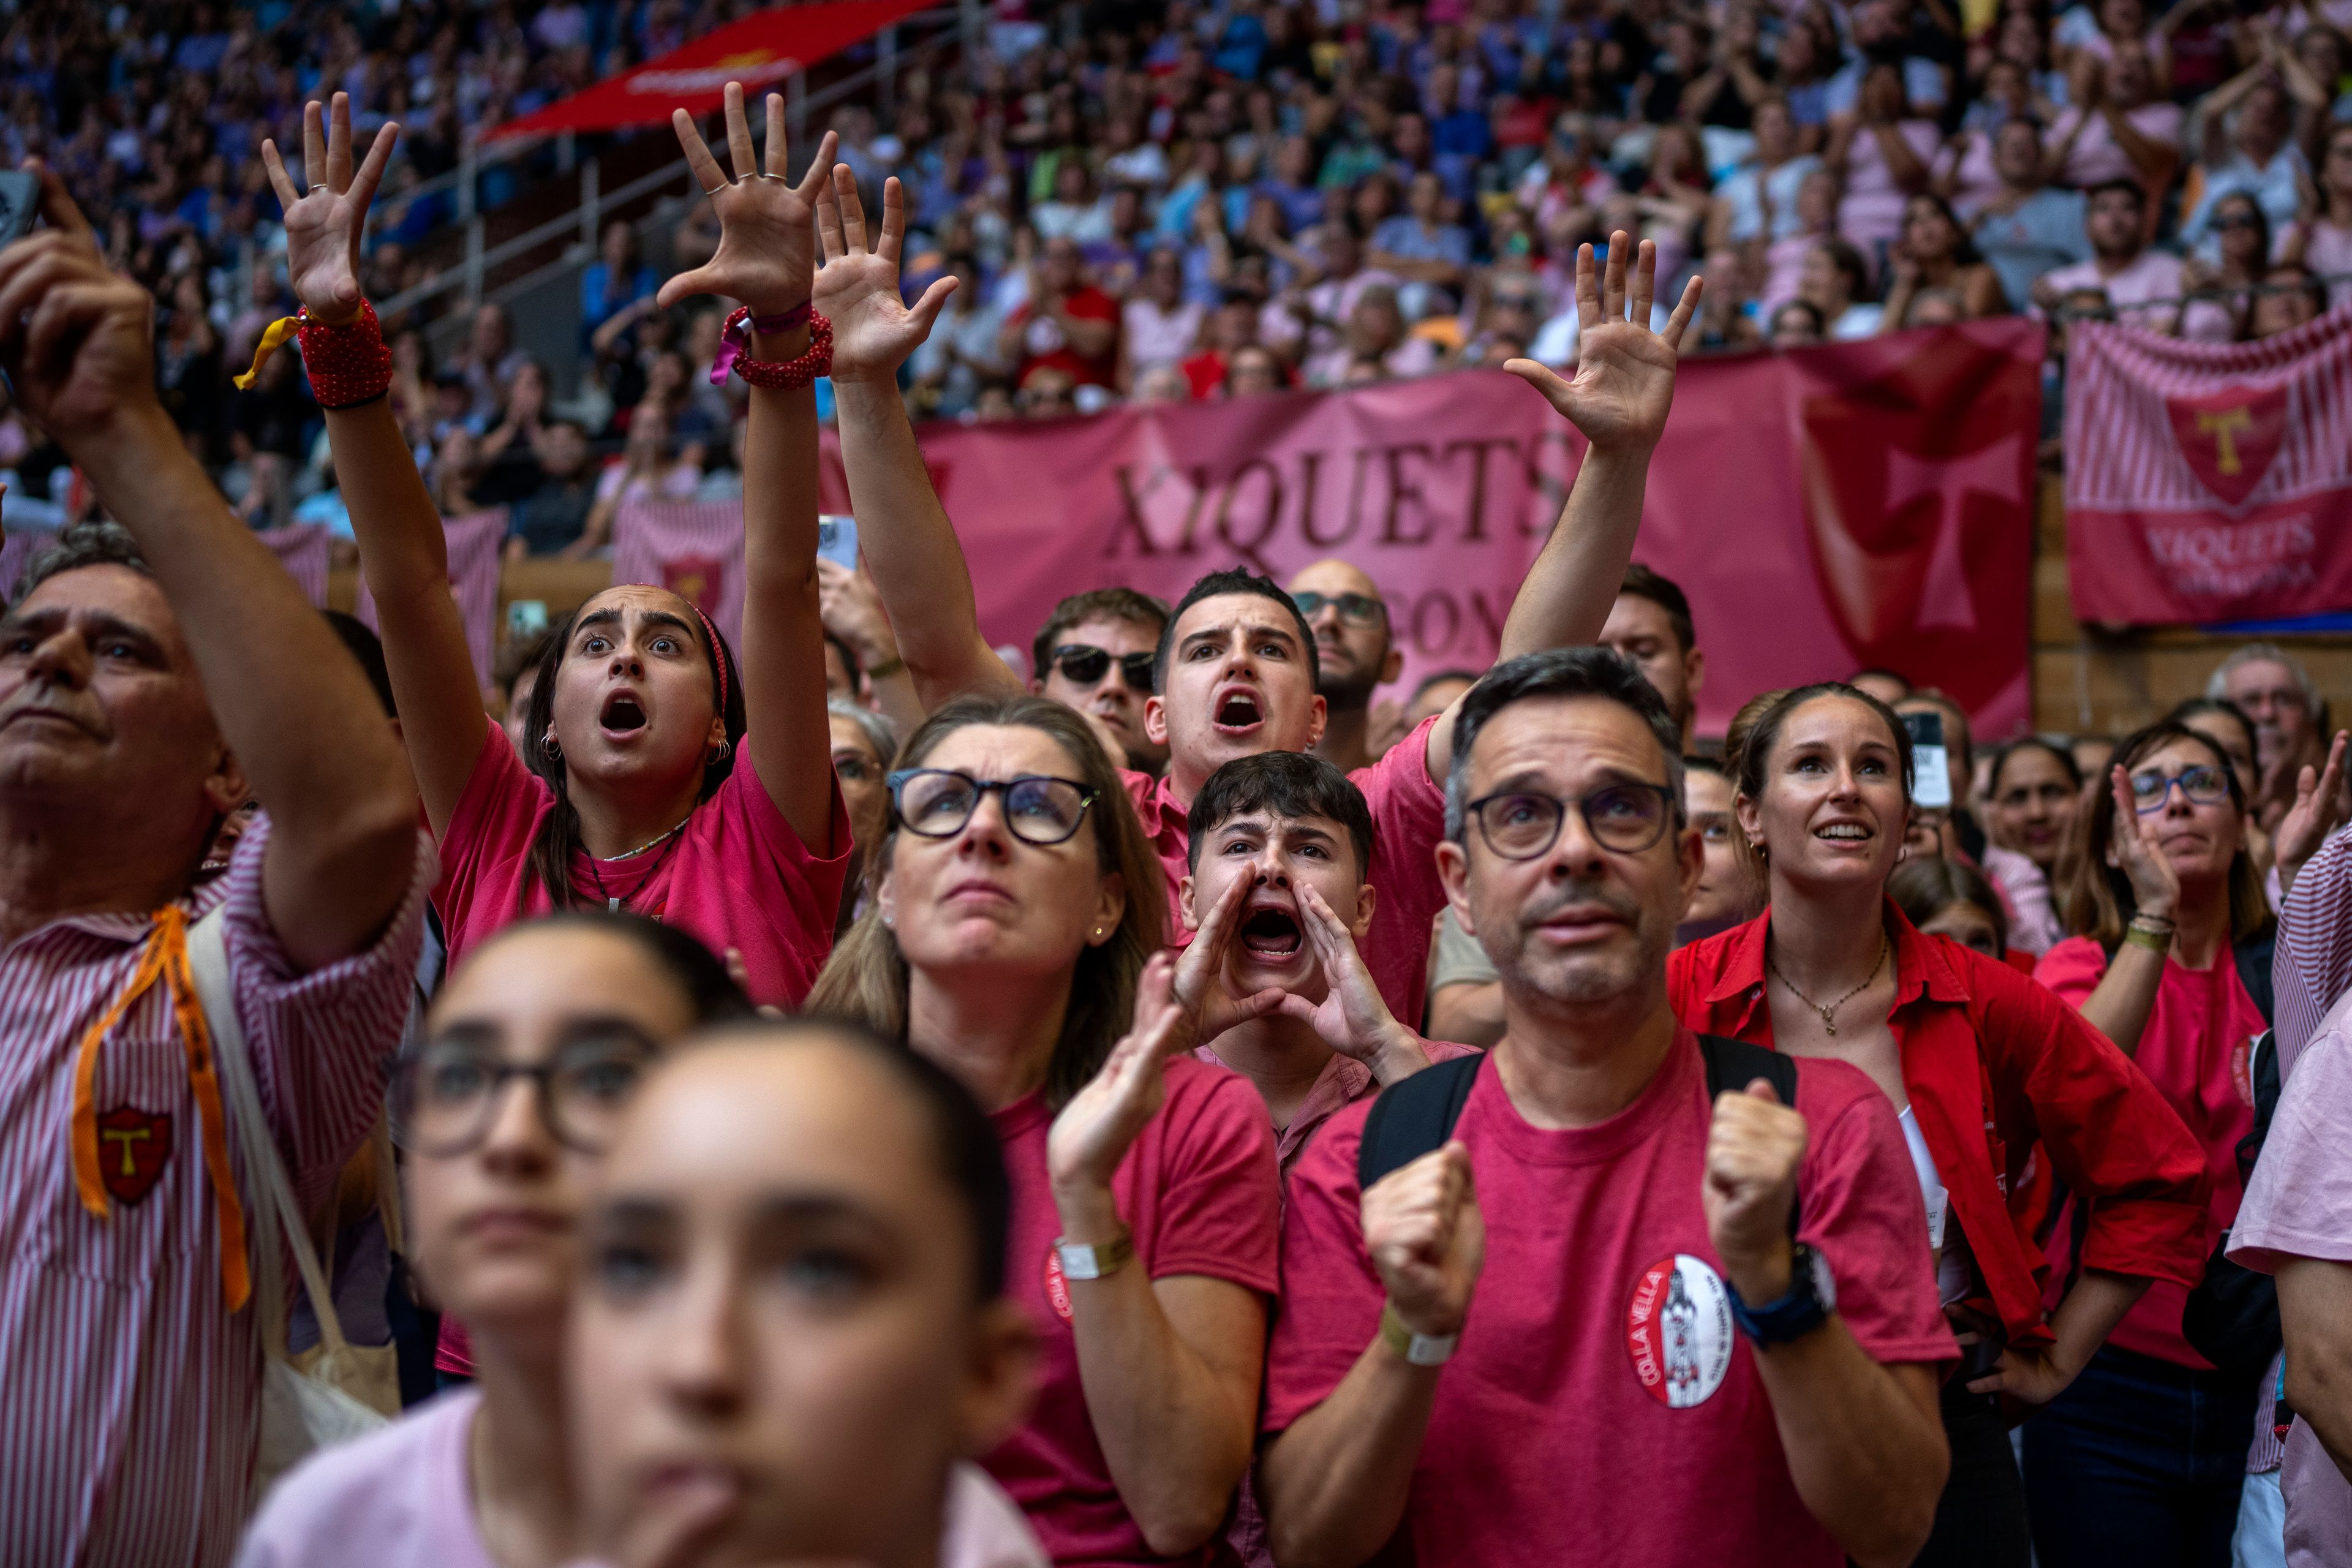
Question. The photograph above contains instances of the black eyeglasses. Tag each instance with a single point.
(1628, 818)
(2204, 785)
(936, 803)
(444, 1094)
(1356, 609)
(1086, 664)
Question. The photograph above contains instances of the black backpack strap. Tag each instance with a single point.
(1733, 1065)
(1413, 1118)
(2253, 956)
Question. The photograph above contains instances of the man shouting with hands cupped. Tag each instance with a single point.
(1601, 1293)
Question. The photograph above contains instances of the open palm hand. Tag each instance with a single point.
(874, 330)
(325, 223)
(1624, 381)
(767, 239)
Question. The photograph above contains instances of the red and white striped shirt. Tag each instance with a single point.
(2313, 966)
(129, 1394)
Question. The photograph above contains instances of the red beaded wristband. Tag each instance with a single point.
(783, 375)
(350, 363)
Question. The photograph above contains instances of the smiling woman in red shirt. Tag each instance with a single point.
(2144, 1459)
(1982, 1064)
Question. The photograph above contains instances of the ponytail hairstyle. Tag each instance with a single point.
(549, 863)
(865, 979)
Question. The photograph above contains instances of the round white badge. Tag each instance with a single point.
(1678, 1330)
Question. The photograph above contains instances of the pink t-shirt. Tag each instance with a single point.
(2195, 1050)
(1602, 1406)
(1198, 1192)
(407, 1491)
(1408, 819)
(737, 876)
(2096, 157)
(1871, 209)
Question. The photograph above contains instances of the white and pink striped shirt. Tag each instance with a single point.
(129, 1395)
(2313, 966)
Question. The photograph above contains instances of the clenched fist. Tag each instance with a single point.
(1427, 1240)
(1753, 1148)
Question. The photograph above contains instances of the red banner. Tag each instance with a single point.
(759, 51)
(2208, 481)
(693, 548)
(1865, 503)
(474, 541)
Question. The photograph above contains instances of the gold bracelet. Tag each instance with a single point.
(2140, 936)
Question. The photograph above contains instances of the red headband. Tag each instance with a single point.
(718, 656)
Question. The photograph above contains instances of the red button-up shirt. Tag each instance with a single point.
(1995, 1064)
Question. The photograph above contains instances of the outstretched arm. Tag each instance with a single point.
(78, 342)
(766, 258)
(1623, 386)
(910, 547)
(403, 552)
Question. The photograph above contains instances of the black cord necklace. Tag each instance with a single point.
(675, 836)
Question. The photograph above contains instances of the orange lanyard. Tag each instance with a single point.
(165, 958)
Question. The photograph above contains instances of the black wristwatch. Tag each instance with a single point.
(1811, 1297)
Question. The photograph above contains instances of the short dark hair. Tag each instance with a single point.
(368, 649)
(95, 543)
(1282, 783)
(1694, 764)
(1663, 591)
(1422, 689)
(2127, 186)
(1560, 672)
(1234, 579)
(964, 1139)
(1125, 604)
(1821, 323)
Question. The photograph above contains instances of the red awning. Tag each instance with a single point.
(757, 51)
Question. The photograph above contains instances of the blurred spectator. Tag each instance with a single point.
(555, 516)
(2028, 228)
(1160, 325)
(2142, 285)
(616, 279)
(1066, 323)
(651, 468)
(1836, 282)
(1936, 254)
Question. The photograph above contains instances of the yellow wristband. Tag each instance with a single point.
(2140, 936)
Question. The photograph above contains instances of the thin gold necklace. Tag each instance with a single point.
(1829, 1013)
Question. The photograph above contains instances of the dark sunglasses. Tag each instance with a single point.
(1356, 609)
(1086, 664)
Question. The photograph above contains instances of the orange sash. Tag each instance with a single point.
(165, 958)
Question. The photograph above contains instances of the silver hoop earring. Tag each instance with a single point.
(726, 750)
(548, 745)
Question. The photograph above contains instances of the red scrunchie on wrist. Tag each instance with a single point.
(783, 375)
(350, 363)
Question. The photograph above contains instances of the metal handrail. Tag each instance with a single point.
(585, 217)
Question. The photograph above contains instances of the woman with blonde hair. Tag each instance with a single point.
(1012, 935)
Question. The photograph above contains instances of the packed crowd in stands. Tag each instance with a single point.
(841, 1099)
(1166, 203)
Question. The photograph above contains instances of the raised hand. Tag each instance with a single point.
(325, 223)
(1624, 381)
(2133, 850)
(851, 610)
(1199, 983)
(767, 239)
(1352, 1018)
(858, 289)
(1754, 1145)
(76, 339)
(2322, 805)
(1427, 1240)
(1095, 1130)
